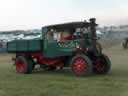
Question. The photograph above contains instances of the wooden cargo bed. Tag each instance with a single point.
(24, 46)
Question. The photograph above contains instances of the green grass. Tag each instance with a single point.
(63, 83)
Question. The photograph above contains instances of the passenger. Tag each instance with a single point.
(69, 36)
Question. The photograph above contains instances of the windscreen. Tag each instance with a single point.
(61, 35)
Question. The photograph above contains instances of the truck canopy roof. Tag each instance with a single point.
(68, 25)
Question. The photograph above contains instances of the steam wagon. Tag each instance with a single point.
(71, 45)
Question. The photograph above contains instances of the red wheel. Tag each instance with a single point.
(81, 65)
(23, 65)
(102, 65)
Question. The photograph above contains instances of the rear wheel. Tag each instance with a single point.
(81, 65)
(23, 65)
(102, 65)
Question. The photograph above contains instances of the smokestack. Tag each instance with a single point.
(92, 26)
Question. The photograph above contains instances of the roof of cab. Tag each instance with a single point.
(68, 25)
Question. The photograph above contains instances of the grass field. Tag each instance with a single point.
(63, 83)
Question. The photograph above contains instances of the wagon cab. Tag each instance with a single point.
(64, 39)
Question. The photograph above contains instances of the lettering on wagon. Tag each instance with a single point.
(68, 45)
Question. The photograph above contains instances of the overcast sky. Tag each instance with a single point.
(30, 14)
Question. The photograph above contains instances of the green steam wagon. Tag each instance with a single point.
(64, 45)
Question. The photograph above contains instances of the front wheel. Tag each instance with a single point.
(81, 65)
(102, 65)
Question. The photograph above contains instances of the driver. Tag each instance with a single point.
(66, 36)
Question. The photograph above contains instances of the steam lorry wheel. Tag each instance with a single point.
(102, 65)
(23, 65)
(81, 65)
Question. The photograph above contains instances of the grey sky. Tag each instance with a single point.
(29, 14)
